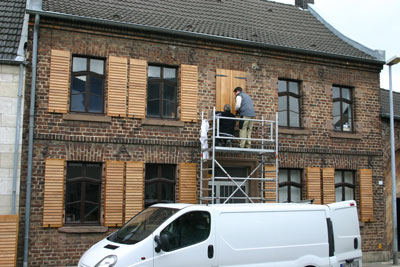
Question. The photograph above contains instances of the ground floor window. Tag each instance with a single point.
(159, 183)
(83, 185)
(344, 185)
(289, 185)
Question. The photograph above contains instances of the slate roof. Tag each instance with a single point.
(257, 22)
(11, 20)
(385, 104)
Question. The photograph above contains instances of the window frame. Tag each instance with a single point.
(83, 180)
(161, 80)
(345, 185)
(159, 180)
(290, 183)
(289, 94)
(88, 74)
(342, 100)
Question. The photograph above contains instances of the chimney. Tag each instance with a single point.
(303, 3)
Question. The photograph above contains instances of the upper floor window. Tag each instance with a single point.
(344, 185)
(289, 185)
(289, 103)
(82, 202)
(159, 184)
(161, 92)
(342, 109)
(87, 85)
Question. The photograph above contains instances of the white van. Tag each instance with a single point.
(275, 235)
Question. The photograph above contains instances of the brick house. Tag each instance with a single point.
(119, 98)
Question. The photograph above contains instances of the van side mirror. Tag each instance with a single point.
(158, 242)
(164, 238)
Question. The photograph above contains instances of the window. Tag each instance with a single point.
(342, 109)
(189, 229)
(289, 103)
(82, 205)
(87, 85)
(161, 92)
(159, 184)
(289, 185)
(344, 185)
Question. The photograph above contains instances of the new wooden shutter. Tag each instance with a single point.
(8, 239)
(224, 91)
(114, 193)
(366, 195)
(189, 93)
(328, 185)
(187, 183)
(270, 186)
(137, 88)
(117, 86)
(134, 189)
(59, 81)
(313, 184)
(53, 203)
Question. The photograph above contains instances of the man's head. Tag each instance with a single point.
(227, 108)
(237, 90)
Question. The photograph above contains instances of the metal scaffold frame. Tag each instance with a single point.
(265, 143)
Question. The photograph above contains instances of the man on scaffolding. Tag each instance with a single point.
(226, 126)
(244, 106)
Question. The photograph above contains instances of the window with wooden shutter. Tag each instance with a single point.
(53, 203)
(117, 86)
(313, 184)
(366, 195)
(137, 88)
(59, 81)
(134, 189)
(270, 186)
(114, 193)
(226, 81)
(328, 185)
(9, 239)
(187, 183)
(189, 92)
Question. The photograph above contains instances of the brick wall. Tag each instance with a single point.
(129, 139)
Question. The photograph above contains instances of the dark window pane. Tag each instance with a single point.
(281, 86)
(294, 104)
(74, 170)
(294, 119)
(167, 192)
(169, 92)
(151, 171)
(346, 117)
(151, 192)
(79, 64)
(282, 103)
(154, 72)
(170, 74)
(96, 104)
(282, 118)
(97, 66)
(96, 86)
(91, 212)
(294, 87)
(153, 108)
(168, 109)
(73, 192)
(92, 193)
(153, 92)
(78, 102)
(168, 171)
(335, 92)
(93, 171)
(78, 84)
(73, 212)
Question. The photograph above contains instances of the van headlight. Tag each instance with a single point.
(108, 261)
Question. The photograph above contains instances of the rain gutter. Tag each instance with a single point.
(204, 36)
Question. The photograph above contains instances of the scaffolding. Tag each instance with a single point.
(264, 145)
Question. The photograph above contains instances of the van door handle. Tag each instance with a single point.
(210, 251)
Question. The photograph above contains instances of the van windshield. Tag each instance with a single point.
(141, 226)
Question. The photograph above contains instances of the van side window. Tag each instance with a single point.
(191, 228)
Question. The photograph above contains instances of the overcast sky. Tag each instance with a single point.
(372, 23)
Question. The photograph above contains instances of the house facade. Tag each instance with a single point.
(120, 97)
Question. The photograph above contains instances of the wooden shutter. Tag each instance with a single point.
(270, 186)
(53, 203)
(224, 91)
(366, 195)
(189, 92)
(328, 185)
(59, 81)
(114, 193)
(187, 183)
(137, 88)
(134, 189)
(8, 239)
(313, 184)
(117, 86)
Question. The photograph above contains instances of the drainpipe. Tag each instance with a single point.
(30, 142)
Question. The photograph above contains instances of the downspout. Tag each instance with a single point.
(36, 5)
(20, 57)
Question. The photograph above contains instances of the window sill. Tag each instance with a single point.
(85, 117)
(158, 122)
(294, 131)
(345, 135)
(82, 229)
